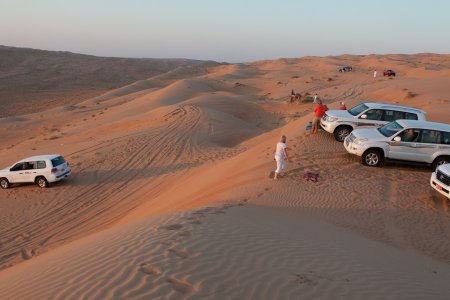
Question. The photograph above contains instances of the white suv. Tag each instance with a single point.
(440, 180)
(404, 140)
(38, 169)
(370, 114)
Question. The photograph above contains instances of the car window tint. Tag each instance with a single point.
(17, 167)
(411, 116)
(29, 165)
(392, 115)
(374, 114)
(410, 135)
(58, 161)
(41, 164)
(445, 137)
(430, 136)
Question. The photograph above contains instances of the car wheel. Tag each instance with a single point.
(341, 133)
(4, 183)
(440, 161)
(372, 158)
(42, 182)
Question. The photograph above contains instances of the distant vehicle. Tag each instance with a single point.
(389, 73)
(345, 69)
(370, 114)
(41, 170)
(440, 180)
(402, 140)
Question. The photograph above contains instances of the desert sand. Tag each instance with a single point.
(170, 196)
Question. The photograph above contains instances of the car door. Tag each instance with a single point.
(427, 145)
(17, 173)
(371, 118)
(29, 171)
(403, 145)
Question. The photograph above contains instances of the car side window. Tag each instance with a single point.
(392, 115)
(17, 167)
(41, 164)
(430, 136)
(29, 165)
(445, 137)
(374, 114)
(411, 116)
(410, 135)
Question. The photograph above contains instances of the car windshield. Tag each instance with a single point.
(358, 109)
(390, 129)
(58, 161)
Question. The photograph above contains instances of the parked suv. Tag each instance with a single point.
(403, 140)
(389, 73)
(440, 180)
(41, 170)
(345, 69)
(342, 122)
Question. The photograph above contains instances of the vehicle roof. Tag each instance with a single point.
(424, 125)
(41, 157)
(394, 106)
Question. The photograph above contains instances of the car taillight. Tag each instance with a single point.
(54, 170)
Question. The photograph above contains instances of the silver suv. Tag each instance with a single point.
(370, 114)
(41, 170)
(403, 140)
(440, 180)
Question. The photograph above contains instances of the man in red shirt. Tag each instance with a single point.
(319, 111)
(342, 106)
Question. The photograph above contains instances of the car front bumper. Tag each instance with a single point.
(353, 148)
(327, 126)
(439, 186)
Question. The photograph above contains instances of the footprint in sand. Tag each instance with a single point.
(260, 194)
(173, 227)
(149, 270)
(181, 286)
(180, 253)
(303, 279)
(185, 233)
(169, 243)
(196, 222)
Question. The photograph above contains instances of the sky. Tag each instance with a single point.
(227, 30)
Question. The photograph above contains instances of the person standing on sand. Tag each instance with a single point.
(315, 98)
(280, 156)
(319, 111)
(342, 106)
(375, 74)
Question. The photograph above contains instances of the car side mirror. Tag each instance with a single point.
(363, 116)
(397, 139)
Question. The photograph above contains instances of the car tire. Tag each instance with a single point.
(341, 132)
(41, 182)
(4, 183)
(372, 158)
(440, 161)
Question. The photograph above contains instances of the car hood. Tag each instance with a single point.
(368, 133)
(339, 113)
(445, 168)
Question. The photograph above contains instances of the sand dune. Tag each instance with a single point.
(262, 253)
(170, 196)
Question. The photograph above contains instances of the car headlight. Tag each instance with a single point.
(359, 141)
(330, 119)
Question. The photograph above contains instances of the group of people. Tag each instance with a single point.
(281, 153)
